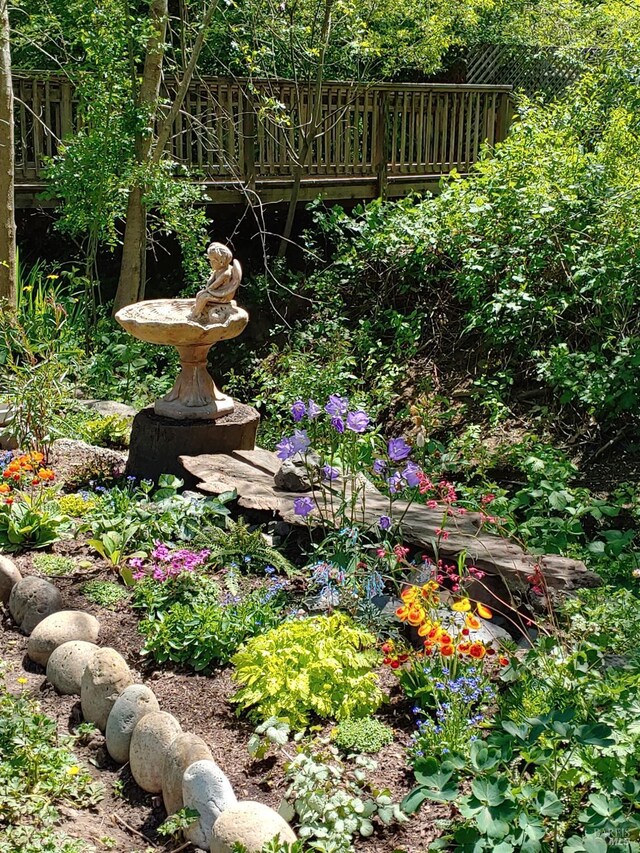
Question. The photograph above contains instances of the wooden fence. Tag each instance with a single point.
(238, 136)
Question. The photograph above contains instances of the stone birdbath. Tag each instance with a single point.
(193, 326)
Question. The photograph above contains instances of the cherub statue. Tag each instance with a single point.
(225, 278)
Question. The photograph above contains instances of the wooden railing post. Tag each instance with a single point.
(66, 118)
(381, 104)
(504, 115)
(248, 141)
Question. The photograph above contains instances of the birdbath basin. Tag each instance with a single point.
(170, 322)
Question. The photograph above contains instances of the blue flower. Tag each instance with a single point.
(398, 449)
(378, 466)
(303, 506)
(330, 473)
(313, 410)
(337, 405)
(338, 424)
(298, 411)
(384, 522)
(269, 570)
(411, 474)
(358, 421)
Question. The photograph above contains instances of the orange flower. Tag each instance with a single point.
(445, 639)
(463, 648)
(46, 474)
(484, 611)
(415, 616)
(472, 622)
(446, 651)
(424, 629)
(461, 606)
(4, 488)
(401, 613)
(408, 594)
(503, 661)
(477, 651)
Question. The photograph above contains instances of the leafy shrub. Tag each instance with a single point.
(76, 505)
(190, 622)
(333, 801)
(108, 431)
(366, 735)
(38, 773)
(237, 546)
(53, 565)
(322, 665)
(134, 515)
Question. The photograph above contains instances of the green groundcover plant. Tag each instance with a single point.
(320, 666)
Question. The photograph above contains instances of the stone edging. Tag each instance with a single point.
(162, 758)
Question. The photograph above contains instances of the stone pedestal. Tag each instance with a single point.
(157, 442)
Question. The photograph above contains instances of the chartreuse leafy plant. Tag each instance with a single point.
(38, 773)
(320, 666)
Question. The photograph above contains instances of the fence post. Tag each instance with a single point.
(66, 119)
(504, 115)
(381, 141)
(248, 141)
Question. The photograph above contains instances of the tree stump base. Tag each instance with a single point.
(157, 442)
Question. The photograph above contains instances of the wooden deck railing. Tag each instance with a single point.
(232, 133)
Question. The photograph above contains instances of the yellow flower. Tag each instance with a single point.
(22, 681)
(484, 611)
(73, 770)
(461, 606)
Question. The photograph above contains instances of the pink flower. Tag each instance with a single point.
(432, 504)
(443, 534)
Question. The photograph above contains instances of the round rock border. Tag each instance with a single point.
(103, 679)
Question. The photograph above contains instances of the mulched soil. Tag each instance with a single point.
(130, 816)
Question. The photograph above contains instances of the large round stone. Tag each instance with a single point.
(129, 708)
(206, 789)
(67, 664)
(186, 749)
(9, 577)
(32, 600)
(59, 628)
(105, 677)
(250, 824)
(150, 741)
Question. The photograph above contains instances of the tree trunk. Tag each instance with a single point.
(7, 161)
(130, 284)
(309, 134)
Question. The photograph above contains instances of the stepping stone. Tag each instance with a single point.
(105, 677)
(185, 750)
(206, 789)
(150, 742)
(9, 577)
(67, 664)
(31, 600)
(59, 628)
(250, 824)
(129, 708)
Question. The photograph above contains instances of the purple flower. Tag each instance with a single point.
(358, 421)
(338, 424)
(300, 441)
(303, 506)
(395, 482)
(398, 449)
(298, 410)
(412, 474)
(313, 410)
(384, 522)
(337, 405)
(378, 466)
(285, 448)
(330, 473)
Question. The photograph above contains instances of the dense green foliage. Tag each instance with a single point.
(366, 735)
(38, 773)
(322, 666)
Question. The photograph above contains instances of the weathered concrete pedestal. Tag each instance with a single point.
(157, 442)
